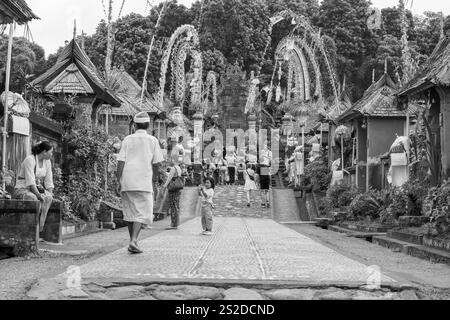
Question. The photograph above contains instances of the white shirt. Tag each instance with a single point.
(28, 169)
(139, 151)
(266, 157)
(231, 159)
(208, 200)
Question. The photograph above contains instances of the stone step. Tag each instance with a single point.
(298, 223)
(355, 234)
(406, 237)
(418, 251)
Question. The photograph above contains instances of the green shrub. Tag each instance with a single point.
(399, 203)
(408, 199)
(368, 204)
(318, 174)
(341, 195)
(437, 207)
(88, 154)
(325, 206)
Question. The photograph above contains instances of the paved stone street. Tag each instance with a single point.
(257, 253)
(231, 201)
(241, 249)
(246, 258)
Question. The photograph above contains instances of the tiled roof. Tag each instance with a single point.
(46, 123)
(73, 54)
(15, 10)
(379, 100)
(436, 71)
(69, 81)
(344, 104)
(129, 92)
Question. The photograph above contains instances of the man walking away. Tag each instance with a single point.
(138, 167)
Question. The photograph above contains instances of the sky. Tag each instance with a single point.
(57, 16)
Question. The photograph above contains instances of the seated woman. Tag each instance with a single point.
(35, 179)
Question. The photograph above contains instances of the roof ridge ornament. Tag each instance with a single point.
(74, 29)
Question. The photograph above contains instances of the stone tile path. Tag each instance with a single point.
(241, 249)
(231, 201)
(247, 246)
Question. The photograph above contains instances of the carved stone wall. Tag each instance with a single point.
(233, 99)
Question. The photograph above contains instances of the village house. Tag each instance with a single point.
(129, 92)
(375, 122)
(75, 76)
(432, 85)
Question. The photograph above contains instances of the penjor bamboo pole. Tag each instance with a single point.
(144, 82)
(342, 152)
(5, 116)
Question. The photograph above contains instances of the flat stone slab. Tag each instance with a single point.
(291, 294)
(240, 294)
(185, 293)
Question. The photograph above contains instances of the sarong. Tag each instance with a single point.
(137, 207)
(174, 204)
(207, 217)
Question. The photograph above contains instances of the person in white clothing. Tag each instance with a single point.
(35, 179)
(138, 168)
(299, 165)
(250, 182)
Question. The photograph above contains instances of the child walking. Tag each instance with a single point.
(250, 182)
(207, 194)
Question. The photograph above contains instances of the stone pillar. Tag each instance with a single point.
(444, 95)
(198, 147)
(252, 139)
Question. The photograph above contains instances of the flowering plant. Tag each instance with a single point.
(342, 131)
(7, 178)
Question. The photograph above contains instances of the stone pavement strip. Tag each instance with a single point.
(247, 248)
(241, 250)
(231, 201)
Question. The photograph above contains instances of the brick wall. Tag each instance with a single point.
(19, 226)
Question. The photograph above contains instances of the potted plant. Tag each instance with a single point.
(64, 104)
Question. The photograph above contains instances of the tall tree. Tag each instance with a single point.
(428, 31)
(346, 22)
(28, 59)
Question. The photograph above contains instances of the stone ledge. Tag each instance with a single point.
(354, 233)
(436, 243)
(406, 237)
(418, 251)
(412, 221)
(368, 229)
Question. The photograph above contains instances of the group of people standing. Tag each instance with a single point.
(233, 169)
(147, 170)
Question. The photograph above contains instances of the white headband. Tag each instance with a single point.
(142, 118)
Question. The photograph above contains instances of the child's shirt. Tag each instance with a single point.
(208, 200)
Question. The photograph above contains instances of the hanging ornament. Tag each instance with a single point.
(290, 45)
(269, 96)
(278, 94)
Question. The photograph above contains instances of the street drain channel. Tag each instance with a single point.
(5, 253)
